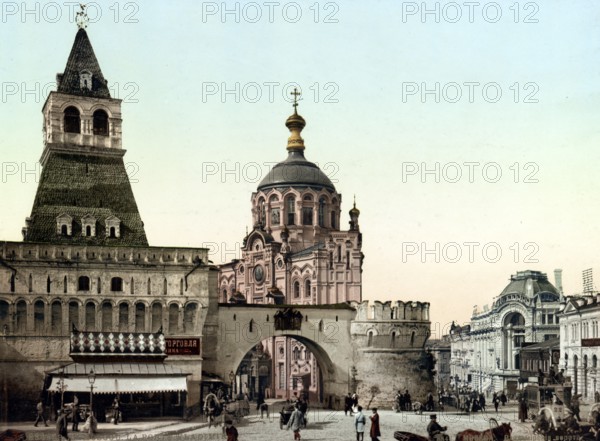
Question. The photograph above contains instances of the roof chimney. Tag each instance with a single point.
(558, 280)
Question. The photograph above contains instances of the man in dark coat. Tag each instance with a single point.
(348, 404)
(434, 428)
(374, 433)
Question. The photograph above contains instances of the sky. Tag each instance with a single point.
(468, 131)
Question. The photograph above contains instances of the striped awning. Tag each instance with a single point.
(121, 384)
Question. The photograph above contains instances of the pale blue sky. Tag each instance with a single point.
(173, 52)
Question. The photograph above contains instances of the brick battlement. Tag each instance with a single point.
(23, 251)
(391, 311)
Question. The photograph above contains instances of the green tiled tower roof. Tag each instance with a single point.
(77, 185)
(82, 58)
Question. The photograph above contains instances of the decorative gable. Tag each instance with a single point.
(88, 226)
(113, 227)
(64, 225)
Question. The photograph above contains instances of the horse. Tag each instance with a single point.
(499, 433)
(212, 408)
(544, 421)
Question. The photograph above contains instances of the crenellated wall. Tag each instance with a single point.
(389, 340)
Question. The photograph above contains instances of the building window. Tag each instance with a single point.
(181, 286)
(296, 289)
(149, 286)
(100, 123)
(74, 313)
(307, 290)
(307, 216)
(281, 376)
(30, 284)
(262, 218)
(72, 120)
(275, 216)
(291, 210)
(296, 354)
(65, 285)
(173, 318)
(321, 213)
(156, 317)
(12, 282)
(99, 285)
(189, 318)
(165, 286)
(83, 283)
(90, 316)
(370, 338)
(56, 317)
(107, 322)
(38, 317)
(116, 284)
(333, 220)
(140, 317)
(48, 283)
(123, 317)
(132, 286)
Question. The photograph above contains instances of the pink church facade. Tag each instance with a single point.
(296, 253)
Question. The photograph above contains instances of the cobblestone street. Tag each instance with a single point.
(333, 425)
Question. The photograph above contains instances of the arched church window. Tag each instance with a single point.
(307, 292)
(56, 317)
(123, 317)
(296, 289)
(307, 216)
(38, 317)
(157, 314)
(321, 214)
(291, 210)
(74, 313)
(174, 318)
(140, 317)
(100, 123)
(72, 120)
(262, 217)
(90, 316)
(333, 220)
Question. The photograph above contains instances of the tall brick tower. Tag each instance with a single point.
(84, 195)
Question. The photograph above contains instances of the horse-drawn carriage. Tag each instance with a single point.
(545, 424)
(218, 411)
(286, 413)
(496, 432)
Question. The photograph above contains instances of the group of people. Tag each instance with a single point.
(403, 401)
(360, 422)
(72, 412)
(350, 404)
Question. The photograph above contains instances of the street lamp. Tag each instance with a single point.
(92, 380)
(61, 387)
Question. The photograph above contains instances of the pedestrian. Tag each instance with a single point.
(348, 404)
(523, 409)
(374, 431)
(482, 402)
(503, 398)
(407, 401)
(40, 414)
(75, 427)
(115, 407)
(359, 424)
(575, 406)
(296, 422)
(496, 402)
(61, 425)
(231, 431)
(354, 402)
(597, 397)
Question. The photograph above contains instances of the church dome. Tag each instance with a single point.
(296, 171)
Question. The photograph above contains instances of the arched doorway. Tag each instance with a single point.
(513, 338)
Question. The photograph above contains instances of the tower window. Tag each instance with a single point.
(296, 289)
(72, 120)
(83, 283)
(291, 210)
(333, 219)
(307, 292)
(100, 123)
(116, 284)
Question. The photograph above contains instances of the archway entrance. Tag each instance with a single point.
(285, 367)
(513, 339)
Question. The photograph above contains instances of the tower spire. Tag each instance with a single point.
(295, 123)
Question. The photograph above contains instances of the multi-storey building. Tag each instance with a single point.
(296, 253)
(580, 343)
(525, 311)
(84, 267)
